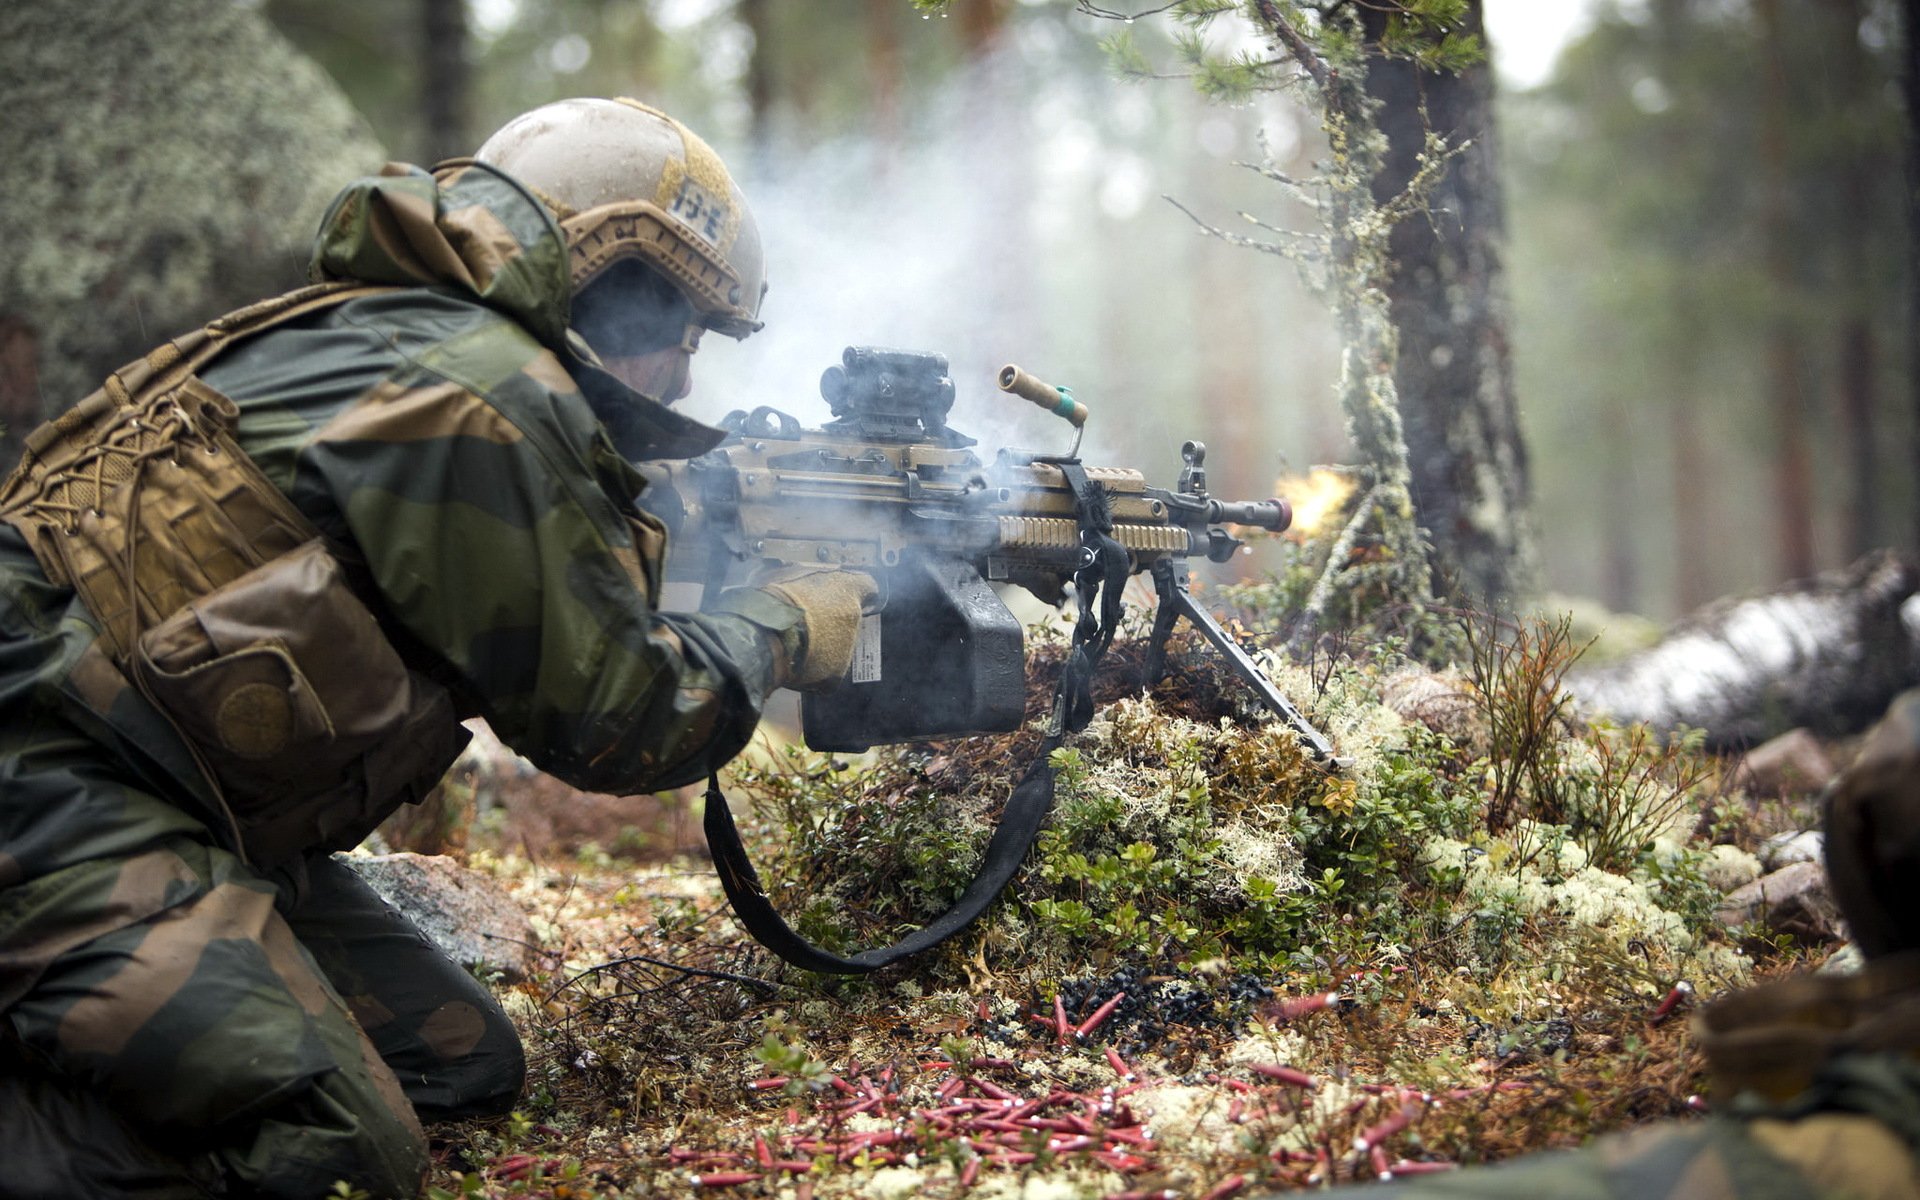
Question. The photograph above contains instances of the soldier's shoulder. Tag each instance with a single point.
(461, 339)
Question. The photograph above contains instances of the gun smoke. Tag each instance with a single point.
(1015, 217)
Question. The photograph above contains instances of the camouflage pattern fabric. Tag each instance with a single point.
(246, 1014)
(1853, 1139)
(1853, 1134)
(469, 466)
(208, 1030)
(1872, 822)
(441, 1031)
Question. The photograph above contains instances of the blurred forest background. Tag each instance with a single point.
(1707, 296)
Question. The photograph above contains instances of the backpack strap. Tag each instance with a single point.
(75, 492)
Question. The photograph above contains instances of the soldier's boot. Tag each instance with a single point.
(209, 1032)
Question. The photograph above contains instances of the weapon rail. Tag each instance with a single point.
(888, 487)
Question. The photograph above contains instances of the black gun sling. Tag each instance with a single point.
(1098, 585)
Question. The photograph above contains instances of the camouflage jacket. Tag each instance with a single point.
(1816, 1085)
(459, 450)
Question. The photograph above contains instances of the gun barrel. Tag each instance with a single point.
(1275, 514)
(1058, 401)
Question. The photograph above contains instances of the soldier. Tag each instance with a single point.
(1816, 1080)
(249, 589)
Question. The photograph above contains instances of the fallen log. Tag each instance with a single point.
(1828, 654)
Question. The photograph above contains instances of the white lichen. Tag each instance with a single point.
(1729, 867)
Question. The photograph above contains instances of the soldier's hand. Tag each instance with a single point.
(830, 600)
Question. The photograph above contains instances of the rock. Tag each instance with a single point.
(1795, 763)
(1794, 900)
(1847, 960)
(493, 798)
(1443, 702)
(1785, 849)
(157, 169)
(461, 911)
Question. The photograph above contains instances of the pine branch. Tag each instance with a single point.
(1307, 252)
(1296, 44)
(1108, 14)
(1297, 190)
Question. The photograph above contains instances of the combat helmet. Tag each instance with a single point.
(629, 182)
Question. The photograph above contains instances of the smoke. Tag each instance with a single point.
(927, 242)
(1015, 217)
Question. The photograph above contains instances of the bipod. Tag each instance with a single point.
(1176, 602)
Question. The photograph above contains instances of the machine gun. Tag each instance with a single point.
(889, 488)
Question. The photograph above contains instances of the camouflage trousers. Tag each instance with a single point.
(1854, 1136)
(253, 1038)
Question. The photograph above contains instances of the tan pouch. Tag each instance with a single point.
(297, 703)
(218, 600)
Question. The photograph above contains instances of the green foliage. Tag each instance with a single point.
(1125, 56)
(1170, 841)
(1679, 882)
(1518, 675)
(790, 1060)
(1613, 790)
(1199, 13)
(1371, 835)
(1180, 838)
(1639, 788)
(1428, 32)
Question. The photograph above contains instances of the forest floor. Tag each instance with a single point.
(1378, 1012)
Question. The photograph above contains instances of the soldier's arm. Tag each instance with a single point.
(489, 528)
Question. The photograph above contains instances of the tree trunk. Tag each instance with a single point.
(883, 73)
(1911, 33)
(1856, 354)
(1792, 466)
(757, 16)
(1620, 540)
(1854, 342)
(981, 23)
(1685, 332)
(1449, 304)
(1692, 488)
(445, 80)
(1827, 653)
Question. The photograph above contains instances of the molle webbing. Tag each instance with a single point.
(143, 483)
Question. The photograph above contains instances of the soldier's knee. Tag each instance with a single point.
(207, 1023)
(479, 1068)
(505, 1076)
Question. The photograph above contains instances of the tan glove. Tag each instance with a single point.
(830, 600)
